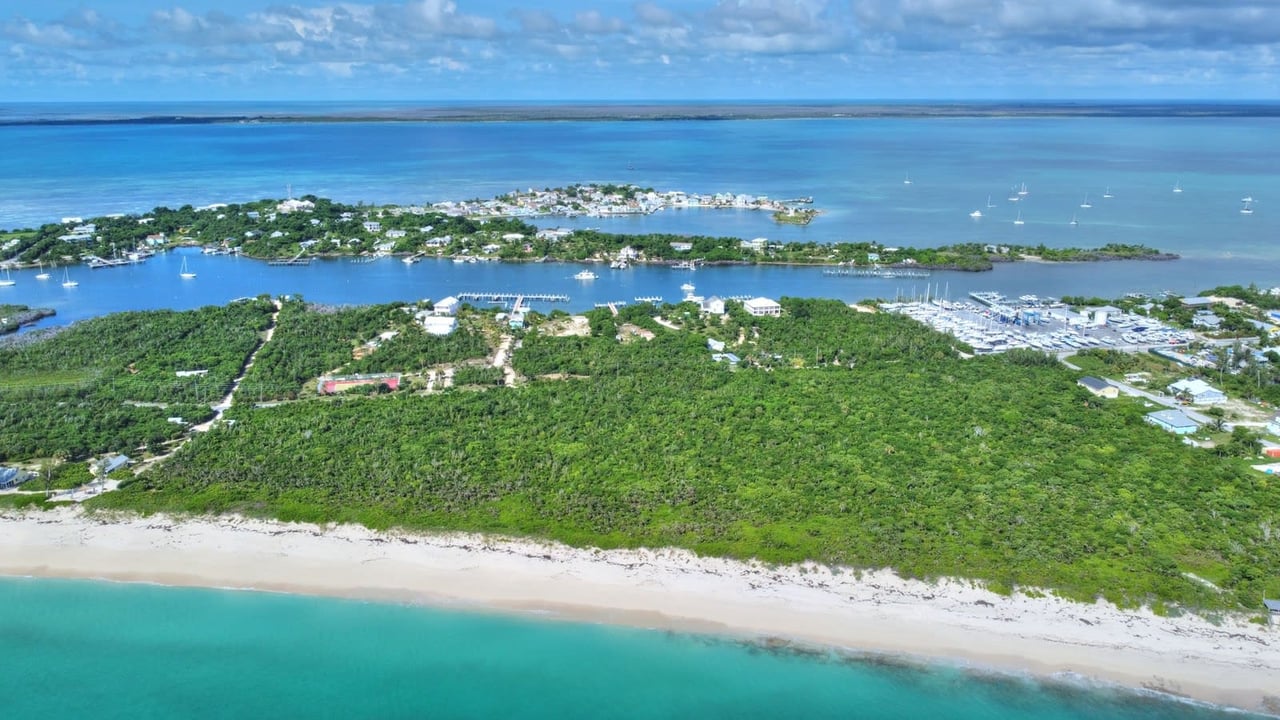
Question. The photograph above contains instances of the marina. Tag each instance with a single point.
(877, 272)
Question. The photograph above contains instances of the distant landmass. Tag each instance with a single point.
(323, 112)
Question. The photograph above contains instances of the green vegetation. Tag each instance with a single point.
(110, 384)
(13, 317)
(310, 341)
(882, 448)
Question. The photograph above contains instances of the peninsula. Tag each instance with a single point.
(294, 229)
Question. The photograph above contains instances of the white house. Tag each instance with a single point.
(713, 305)
(446, 306)
(372, 226)
(762, 306)
(680, 246)
(292, 205)
(396, 234)
(439, 324)
(1197, 390)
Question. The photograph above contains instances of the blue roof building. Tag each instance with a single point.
(1174, 421)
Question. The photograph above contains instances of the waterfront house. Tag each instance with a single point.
(628, 254)
(1197, 391)
(446, 306)
(681, 246)
(11, 477)
(762, 306)
(1174, 421)
(1099, 387)
(1273, 609)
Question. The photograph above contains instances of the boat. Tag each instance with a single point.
(7, 281)
(42, 275)
(1073, 220)
(585, 275)
(1107, 194)
(687, 287)
(411, 259)
(907, 180)
(976, 214)
(1019, 221)
(685, 265)
(1246, 210)
(989, 205)
(619, 265)
(1023, 189)
(67, 282)
(1246, 199)
(1086, 203)
(1177, 187)
(186, 274)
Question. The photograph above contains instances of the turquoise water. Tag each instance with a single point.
(76, 649)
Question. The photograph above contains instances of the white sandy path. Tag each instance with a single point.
(1236, 663)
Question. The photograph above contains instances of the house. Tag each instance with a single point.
(628, 254)
(108, 465)
(730, 358)
(762, 306)
(12, 477)
(1197, 391)
(396, 234)
(372, 226)
(1206, 319)
(190, 373)
(713, 306)
(516, 321)
(1197, 301)
(292, 205)
(715, 345)
(682, 246)
(1273, 609)
(447, 306)
(1174, 421)
(1099, 387)
(439, 324)
(336, 384)
(757, 245)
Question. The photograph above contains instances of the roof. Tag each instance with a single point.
(1272, 605)
(1193, 386)
(1093, 383)
(1173, 418)
(1198, 301)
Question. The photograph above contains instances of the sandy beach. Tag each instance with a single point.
(1232, 663)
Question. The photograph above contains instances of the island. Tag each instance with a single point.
(853, 459)
(293, 230)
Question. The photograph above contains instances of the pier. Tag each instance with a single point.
(296, 260)
(655, 299)
(95, 262)
(877, 272)
(504, 297)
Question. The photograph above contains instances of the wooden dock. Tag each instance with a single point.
(296, 261)
(505, 297)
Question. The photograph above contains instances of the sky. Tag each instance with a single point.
(614, 50)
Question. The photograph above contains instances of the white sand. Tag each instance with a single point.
(1235, 663)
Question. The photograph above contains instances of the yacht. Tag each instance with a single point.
(687, 287)
(409, 259)
(67, 282)
(1086, 203)
(976, 214)
(186, 274)
(7, 281)
(585, 275)
(1019, 221)
(685, 265)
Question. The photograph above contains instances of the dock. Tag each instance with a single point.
(505, 297)
(877, 272)
(296, 260)
(655, 299)
(95, 262)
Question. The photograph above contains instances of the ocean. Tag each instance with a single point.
(76, 648)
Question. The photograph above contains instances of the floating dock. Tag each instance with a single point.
(296, 261)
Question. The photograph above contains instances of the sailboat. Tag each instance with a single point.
(66, 279)
(907, 180)
(989, 205)
(1073, 219)
(1177, 187)
(7, 281)
(1023, 191)
(1246, 210)
(1086, 203)
(1107, 195)
(1246, 199)
(186, 274)
(42, 275)
(1019, 220)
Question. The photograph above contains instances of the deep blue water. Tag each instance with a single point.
(76, 649)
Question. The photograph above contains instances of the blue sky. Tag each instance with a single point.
(423, 50)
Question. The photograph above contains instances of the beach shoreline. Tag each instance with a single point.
(1232, 663)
